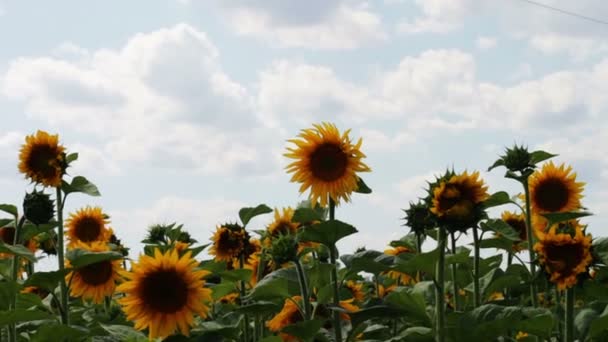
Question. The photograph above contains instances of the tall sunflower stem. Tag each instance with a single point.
(454, 274)
(529, 233)
(303, 289)
(334, 273)
(569, 316)
(15, 274)
(439, 286)
(419, 243)
(243, 294)
(65, 316)
(377, 281)
(476, 258)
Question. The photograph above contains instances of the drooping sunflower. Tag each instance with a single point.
(253, 264)
(456, 201)
(356, 289)
(400, 277)
(96, 281)
(42, 159)
(164, 292)
(555, 189)
(87, 225)
(326, 162)
(228, 242)
(518, 223)
(564, 252)
(289, 314)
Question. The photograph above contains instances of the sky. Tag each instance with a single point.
(181, 110)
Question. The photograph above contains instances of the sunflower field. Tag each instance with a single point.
(546, 277)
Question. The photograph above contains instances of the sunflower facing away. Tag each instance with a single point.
(95, 281)
(290, 314)
(164, 292)
(564, 252)
(228, 243)
(518, 223)
(326, 162)
(356, 289)
(400, 277)
(456, 200)
(42, 159)
(87, 225)
(554, 189)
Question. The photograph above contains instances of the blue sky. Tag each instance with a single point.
(181, 109)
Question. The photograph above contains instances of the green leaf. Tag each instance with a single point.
(80, 184)
(46, 280)
(230, 332)
(461, 256)
(7, 222)
(71, 157)
(497, 198)
(236, 275)
(9, 208)
(487, 322)
(223, 289)
(325, 294)
(327, 233)
(539, 156)
(554, 218)
(272, 339)
(56, 332)
(501, 228)
(362, 188)
(21, 315)
(124, 333)
(30, 230)
(410, 264)
(496, 164)
(80, 258)
(536, 321)
(260, 308)
(271, 288)
(583, 320)
(600, 325)
(8, 289)
(306, 215)
(373, 312)
(417, 334)
(305, 330)
(600, 248)
(410, 302)
(18, 250)
(498, 243)
(246, 214)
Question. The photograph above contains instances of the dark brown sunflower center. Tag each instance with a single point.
(7, 235)
(229, 242)
(564, 258)
(97, 273)
(88, 229)
(328, 162)
(519, 226)
(551, 195)
(457, 201)
(164, 291)
(42, 159)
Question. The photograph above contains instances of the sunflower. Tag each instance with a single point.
(356, 289)
(521, 336)
(554, 189)
(456, 200)
(88, 225)
(42, 159)
(564, 251)
(326, 162)
(289, 314)
(349, 307)
(252, 264)
(95, 281)
(40, 292)
(400, 277)
(384, 291)
(282, 223)
(163, 292)
(230, 298)
(518, 223)
(228, 242)
(7, 235)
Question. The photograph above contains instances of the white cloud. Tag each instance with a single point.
(314, 24)
(415, 187)
(579, 48)
(438, 16)
(486, 43)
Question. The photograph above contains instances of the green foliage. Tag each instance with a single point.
(246, 214)
(80, 184)
(327, 233)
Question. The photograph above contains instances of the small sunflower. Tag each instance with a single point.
(228, 242)
(87, 225)
(326, 162)
(163, 292)
(356, 289)
(555, 189)
(349, 307)
(7, 235)
(282, 223)
(400, 277)
(384, 291)
(290, 314)
(518, 223)
(230, 298)
(252, 264)
(42, 159)
(564, 251)
(95, 281)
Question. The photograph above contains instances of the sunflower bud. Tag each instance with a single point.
(118, 246)
(284, 249)
(418, 217)
(518, 159)
(156, 234)
(38, 207)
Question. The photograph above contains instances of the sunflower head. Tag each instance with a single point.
(457, 200)
(555, 189)
(289, 314)
(38, 207)
(95, 281)
(253, 264)
(284, 249)
(116, 245)
(356, 290)
(326, 162)
(518, 223)
(163, 293)
(42, 159)
(282, 223)
(518, 159)
(88, 225)
(229, 241)
(418, 217)
(564, 252)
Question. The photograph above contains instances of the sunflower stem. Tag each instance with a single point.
(303, 289)
(454, 274)
(533, 290)
(439, 286)
(243, 294)
(15, 274)
(377, 280)
(334, 273)
(476, 288)
(419, 243)
(569, 326)
(65, 317)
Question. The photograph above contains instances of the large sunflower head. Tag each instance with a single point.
(88, 225)
(42, 159)
(564, 252)
(290, 314)
(456, 200)
(229, 242)
(555, 189)
(163, 293)
(95, 281)
(326, 162)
